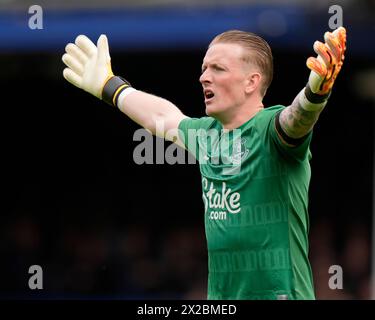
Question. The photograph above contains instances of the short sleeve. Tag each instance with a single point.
(267, 129)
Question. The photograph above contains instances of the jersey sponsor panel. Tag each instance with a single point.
(220, 201)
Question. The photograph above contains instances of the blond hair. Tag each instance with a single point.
(259, 52)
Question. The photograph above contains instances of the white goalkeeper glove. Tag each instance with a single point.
(89, 68)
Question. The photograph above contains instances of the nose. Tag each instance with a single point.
(205, 77)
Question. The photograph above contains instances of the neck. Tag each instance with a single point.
(239, 118)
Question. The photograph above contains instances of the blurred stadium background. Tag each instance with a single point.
(74, 201)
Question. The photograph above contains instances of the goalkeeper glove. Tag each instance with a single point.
(325, 68)
(89, 68)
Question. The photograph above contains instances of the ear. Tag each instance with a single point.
(253, 82)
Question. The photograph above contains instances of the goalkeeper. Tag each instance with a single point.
(256, 216)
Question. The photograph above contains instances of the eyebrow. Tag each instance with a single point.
(214, 64)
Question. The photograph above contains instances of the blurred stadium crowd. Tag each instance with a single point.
(135, 262)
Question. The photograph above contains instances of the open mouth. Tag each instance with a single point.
(208, 95)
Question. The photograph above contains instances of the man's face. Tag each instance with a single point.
(224, 78)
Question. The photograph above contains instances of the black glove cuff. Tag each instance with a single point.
(112, 89)
(314, 97)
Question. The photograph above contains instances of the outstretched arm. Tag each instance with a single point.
(298, 119)
(89, 68)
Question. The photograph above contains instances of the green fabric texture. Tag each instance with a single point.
(255, 193)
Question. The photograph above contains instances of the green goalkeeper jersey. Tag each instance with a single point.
(255, 193)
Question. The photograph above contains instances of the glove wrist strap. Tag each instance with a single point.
(112, 89)
(314, 97)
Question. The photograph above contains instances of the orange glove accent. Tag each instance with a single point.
(326, 67)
